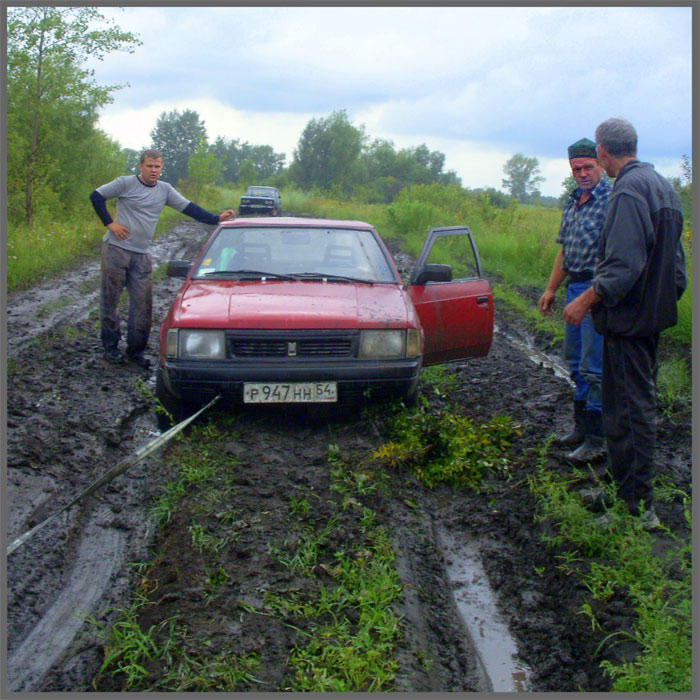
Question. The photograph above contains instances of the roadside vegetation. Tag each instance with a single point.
(620, 563)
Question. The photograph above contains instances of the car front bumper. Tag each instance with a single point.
(257, 206)
(197, 381)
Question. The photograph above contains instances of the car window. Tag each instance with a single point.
(297, 250)
(456, 251)
(261, 191)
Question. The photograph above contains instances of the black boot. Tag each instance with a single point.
(577, 435)
(593, 447)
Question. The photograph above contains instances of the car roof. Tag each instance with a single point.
(297, 221)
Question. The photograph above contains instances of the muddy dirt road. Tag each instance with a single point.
(71, 416)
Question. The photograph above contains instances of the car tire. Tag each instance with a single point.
(177, 408)
(411, 400)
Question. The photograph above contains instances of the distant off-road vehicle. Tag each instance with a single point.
(259, 199)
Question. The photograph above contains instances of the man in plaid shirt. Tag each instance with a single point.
(581, 223)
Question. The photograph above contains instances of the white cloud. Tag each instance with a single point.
(132, 127)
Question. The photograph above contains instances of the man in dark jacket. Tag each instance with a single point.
(633, 296)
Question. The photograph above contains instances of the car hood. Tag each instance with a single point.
(282, 304)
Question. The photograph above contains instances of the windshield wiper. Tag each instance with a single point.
(329, 277)
(250, 273)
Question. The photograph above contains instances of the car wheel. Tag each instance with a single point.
(177, 408)
(411, 401)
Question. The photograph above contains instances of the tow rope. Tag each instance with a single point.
(115, 471)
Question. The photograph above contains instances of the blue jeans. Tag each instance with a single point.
(584, 353)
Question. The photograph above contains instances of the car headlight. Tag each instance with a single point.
(387, 344)
(196, 343)
(412, 342)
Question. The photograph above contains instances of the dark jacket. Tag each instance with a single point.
(640, 273)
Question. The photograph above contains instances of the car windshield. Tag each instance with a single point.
(306, 253)
(260, 192)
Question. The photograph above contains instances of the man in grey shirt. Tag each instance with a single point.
(125, 258)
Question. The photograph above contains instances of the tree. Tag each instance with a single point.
(203, 168)
(328, 154)
(246, 175)
(52, 101)
(131, 160)
(389, 171)
(176, 135)
(522, 177)
(233, 154)
(684, 186)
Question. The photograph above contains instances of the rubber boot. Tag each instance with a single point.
(593, 447)
(577, 435)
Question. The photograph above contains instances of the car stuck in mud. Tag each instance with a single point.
(313, 311)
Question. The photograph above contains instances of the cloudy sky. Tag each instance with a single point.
(477, 83)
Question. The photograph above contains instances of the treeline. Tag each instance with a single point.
(333, 156)
(55, 154)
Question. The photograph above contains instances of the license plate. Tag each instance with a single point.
(297, 392)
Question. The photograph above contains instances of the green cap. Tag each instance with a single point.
(583, 148)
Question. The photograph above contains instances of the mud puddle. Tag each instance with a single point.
(478, 607)
(538, 356)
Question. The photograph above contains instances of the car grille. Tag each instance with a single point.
(293, 345)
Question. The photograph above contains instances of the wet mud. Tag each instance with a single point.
(71, 416)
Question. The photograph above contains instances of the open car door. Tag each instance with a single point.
(452, 299)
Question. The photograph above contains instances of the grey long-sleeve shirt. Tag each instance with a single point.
(138, 208)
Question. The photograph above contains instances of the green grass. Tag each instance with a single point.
(674, 385)
(346, 627)
(621, 559)
(50, 247)
(445, 447)
(130, 653)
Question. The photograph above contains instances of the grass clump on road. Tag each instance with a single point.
(445, 446)
(346, 624)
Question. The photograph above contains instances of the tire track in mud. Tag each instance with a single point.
(71, 416)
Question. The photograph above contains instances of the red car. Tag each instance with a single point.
(295, 310)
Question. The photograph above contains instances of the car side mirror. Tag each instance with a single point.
(433, 272)
(178, 268)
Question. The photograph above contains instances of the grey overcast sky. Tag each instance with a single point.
(477, 83)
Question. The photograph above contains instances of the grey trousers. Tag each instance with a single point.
(629, 415)
(123, 268)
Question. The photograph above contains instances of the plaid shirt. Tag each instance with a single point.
(580, 228)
